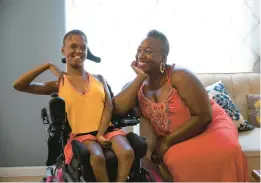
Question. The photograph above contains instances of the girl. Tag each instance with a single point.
(88, 106)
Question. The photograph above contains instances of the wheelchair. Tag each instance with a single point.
(80, 170)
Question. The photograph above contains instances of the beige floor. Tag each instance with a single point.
(21, 179)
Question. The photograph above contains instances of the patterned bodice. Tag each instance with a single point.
(167, 115)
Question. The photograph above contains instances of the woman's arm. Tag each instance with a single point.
(25, 82)
(194, 95)
(107, 111)
(127, 98)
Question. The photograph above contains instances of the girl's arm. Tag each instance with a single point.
(25, 82)
(107, 111)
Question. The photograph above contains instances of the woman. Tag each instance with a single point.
(196, 140)
(88, 107)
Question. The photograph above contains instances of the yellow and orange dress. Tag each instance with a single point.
(84, 112)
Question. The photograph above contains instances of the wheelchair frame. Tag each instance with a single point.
(74, 172)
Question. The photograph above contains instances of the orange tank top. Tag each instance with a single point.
(84, 111)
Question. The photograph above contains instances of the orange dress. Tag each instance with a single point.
(84, 112)
(213, 156)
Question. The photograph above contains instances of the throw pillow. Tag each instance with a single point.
(218, 93)
(253, 102)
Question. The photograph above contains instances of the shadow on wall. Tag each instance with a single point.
(256, 67)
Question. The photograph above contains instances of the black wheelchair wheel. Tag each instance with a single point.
(143, 175)
(43, 179)
(147, 175)
(67, 177)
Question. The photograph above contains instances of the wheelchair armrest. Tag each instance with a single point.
(138, 144)
(80, 150)
(127, 121)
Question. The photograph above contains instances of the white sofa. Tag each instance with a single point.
(237, 85)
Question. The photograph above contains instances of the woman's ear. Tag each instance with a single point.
(62, 50)
(164, 59)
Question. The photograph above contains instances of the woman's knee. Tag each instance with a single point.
(232, 148)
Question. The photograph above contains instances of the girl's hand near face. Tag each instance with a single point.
(59, 73)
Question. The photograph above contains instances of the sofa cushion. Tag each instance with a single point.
(217, 91)
(253, 102)
(250, 142)
(236, 84)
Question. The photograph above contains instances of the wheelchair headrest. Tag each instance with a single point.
(54, 95)
(90, 56)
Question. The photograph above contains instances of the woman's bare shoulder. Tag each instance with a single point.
(181, 74)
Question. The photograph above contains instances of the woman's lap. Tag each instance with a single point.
(207, 157)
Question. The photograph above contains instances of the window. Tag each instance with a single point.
(211, 36)
(205, 36)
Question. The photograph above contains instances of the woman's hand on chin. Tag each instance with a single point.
(138, 71)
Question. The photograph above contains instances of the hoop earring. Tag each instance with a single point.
(162, 68)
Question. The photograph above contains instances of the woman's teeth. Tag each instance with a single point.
(142, 63)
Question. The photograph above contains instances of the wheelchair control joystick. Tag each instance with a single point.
(44, 116)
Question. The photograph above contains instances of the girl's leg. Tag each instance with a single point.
(97, 160)
(125, 155)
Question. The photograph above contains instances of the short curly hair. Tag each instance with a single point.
(159, 35)
(74, 32)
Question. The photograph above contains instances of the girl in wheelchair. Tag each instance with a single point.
(88, 106)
